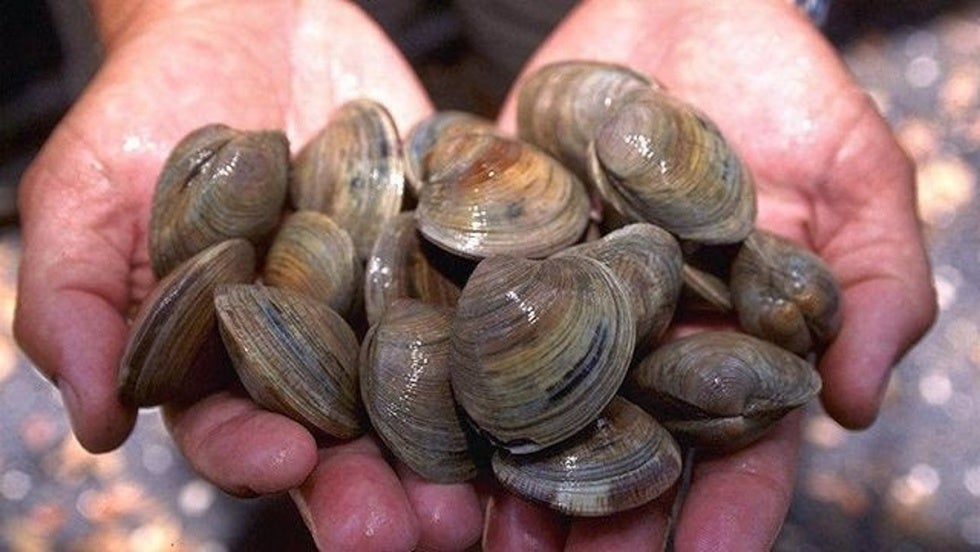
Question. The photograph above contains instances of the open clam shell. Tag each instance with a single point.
(293, 354)
(489, 195)
(720, 389)
(539, 347)
(404, 377)
(657, 159)
(313, 255)
(218, 183)
(176, 320)
(622, 460)
(784, 293)
(352, 170)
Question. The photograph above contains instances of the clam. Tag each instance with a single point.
(293, 354)
(490, 195)
(647, 260)
(353, 171)
(176, 321)
(402, 264)
(539, 347)
(784, 293)
(659, 160)
(561, 105)
(720, 389)
(404, 377)
(438, 126)
(312, 255)
(218, 183)
(622, 460)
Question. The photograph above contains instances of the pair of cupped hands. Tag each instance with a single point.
(828, 171)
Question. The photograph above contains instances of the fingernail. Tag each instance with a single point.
(305, 514)
(488, 513)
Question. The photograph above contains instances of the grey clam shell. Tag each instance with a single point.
(404, 377)
(622, 460)
(720, 389)
(657, 159)
(539, 347)
(293, 354)
(489, 195)
(176, 320)
(218, 183)
(784, 293)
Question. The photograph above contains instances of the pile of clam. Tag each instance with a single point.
(485, 302)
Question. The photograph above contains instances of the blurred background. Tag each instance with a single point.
(911, 482)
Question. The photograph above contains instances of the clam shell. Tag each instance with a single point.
(438, 126)
(561, 105)
(218, 183)
(352, 170)
(658, 160)
(175, 321)
(622, 460)
(403, 264)
(784, 293)
(404, 379)
(489, 195)
(720, 389)
(293, 354)
(313, 255)
(647, 260)
(539, 347)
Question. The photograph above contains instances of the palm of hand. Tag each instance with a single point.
(825, 166)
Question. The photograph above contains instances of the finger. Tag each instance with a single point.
(74, 287)
(867, 230)
(449, 515)
(353, 500)
(515, 524)
(739, 501)
(240, 447)
(643, 528)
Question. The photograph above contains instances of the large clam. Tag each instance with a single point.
(539, 347)
(293, 354)
(622, 460)
(561, 105)
(488, 195)
(352, 170)
(658, 159)
(720, 389)
(218, 183)
(176, 321)
(784, 293)
(404, 377)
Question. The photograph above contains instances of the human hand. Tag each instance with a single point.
(85, 205)
(829, 174)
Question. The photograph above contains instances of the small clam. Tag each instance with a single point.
(218, 183)
(539, 347)
(312, 255)
(404, 378)
(560, 106)
(438, 126)
(489, 195)
(353, 171)
(293, 354)
(175, 322)
(402, 264)
(720, 389)
(622, 460)
(647, 260)
(784, 293)
(658, 160)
